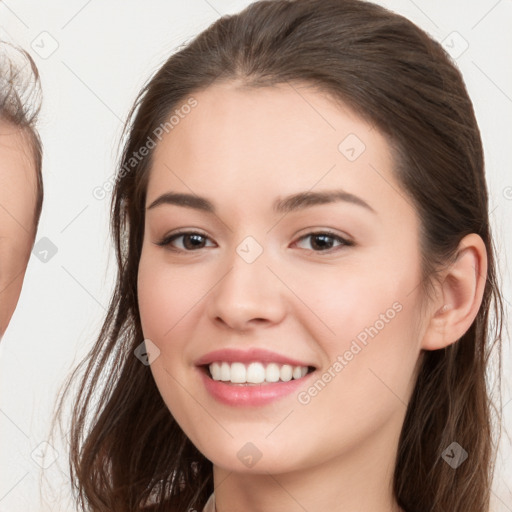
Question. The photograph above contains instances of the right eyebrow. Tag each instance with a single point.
(185, 200)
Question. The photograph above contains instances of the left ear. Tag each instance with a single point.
(462, 287)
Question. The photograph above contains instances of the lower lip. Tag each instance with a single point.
(252, 394)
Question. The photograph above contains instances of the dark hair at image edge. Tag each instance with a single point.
(126, 450)
(20, 104)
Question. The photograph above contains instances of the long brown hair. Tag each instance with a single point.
(126, 450)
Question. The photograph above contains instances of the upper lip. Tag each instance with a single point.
(233, 355)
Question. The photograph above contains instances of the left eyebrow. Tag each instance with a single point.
(287, 204)
(307, 199)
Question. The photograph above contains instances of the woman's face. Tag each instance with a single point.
(304, 255)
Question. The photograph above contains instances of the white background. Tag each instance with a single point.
(106, 51)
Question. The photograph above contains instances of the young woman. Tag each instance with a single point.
(305, 278)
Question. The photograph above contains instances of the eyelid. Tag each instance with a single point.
(326, 231)
(345, 241)
(167, 239)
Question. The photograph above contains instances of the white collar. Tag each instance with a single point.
(210, 504)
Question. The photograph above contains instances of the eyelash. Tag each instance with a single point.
(166, 242)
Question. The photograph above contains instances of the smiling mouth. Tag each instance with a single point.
(254, 373)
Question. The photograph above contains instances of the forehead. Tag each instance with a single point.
(271, 141)
(230, 121)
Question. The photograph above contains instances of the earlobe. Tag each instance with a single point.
(460, 296)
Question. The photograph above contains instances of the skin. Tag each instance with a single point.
(18, 192)
(242, 149)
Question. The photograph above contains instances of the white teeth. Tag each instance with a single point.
(238, 373)
(297, 373)
(225, 372)
(215, 371)
(272, 372)
(286, 373)
(255, 373)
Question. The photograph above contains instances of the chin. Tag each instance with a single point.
(242, 456)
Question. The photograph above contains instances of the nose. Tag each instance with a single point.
(247, 296)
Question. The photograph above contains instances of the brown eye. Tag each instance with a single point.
(190, 241)
(323, 242)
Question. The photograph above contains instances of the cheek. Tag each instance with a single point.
(166, 298)
(170, 305)
(166, 305)
(348, 301)
(365, 320)
(156, 300)
(368, 378)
